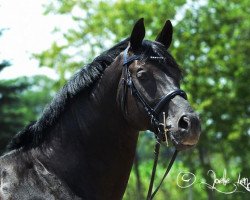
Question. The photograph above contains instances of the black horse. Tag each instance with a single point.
(84, 144)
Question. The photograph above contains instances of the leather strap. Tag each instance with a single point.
(151, 195)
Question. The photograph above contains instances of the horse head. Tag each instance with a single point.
(149, 90)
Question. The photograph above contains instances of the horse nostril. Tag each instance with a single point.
(184, 122)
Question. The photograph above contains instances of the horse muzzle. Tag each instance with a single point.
(186, 132)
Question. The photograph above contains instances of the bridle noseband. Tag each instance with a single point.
(153, 114)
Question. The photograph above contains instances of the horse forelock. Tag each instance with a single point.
(157, 53)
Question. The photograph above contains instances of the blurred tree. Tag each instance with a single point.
(96, 25)
(21, 101)
(211, 42)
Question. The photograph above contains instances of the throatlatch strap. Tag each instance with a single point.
(150, 197)
(151, 184)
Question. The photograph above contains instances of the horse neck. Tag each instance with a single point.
(95, 141)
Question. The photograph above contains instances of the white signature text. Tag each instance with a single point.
(222, 184)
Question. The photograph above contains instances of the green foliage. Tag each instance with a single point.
(21, 101)
(99, 25)
(4, 64)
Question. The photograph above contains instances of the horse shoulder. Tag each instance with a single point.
(20, 179)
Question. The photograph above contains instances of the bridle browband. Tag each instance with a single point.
(153, 114)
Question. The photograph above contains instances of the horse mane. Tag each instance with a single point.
(35, 133)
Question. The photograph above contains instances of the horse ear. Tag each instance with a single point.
(165, 36)
(137, 35)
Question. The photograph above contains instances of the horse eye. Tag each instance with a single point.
(142, 74)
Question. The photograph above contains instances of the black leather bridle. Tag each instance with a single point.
(153, 114)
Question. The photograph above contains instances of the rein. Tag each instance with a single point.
(160, 130)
